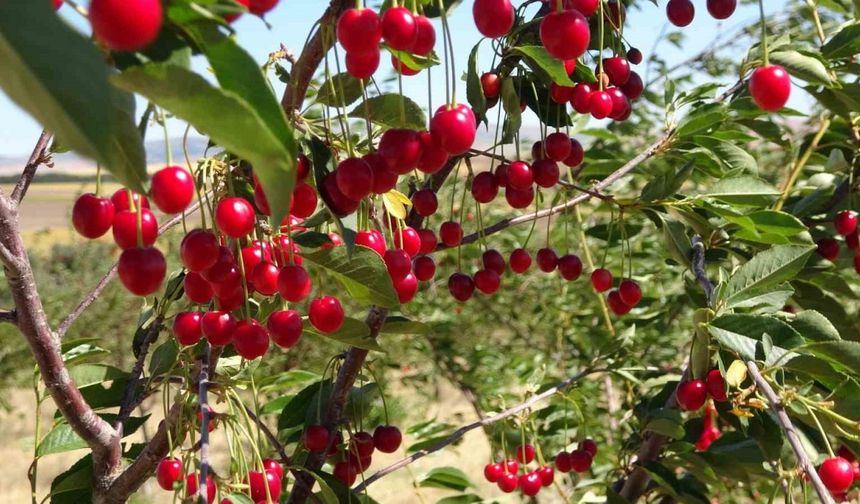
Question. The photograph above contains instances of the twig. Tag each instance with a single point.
(785, 422)
(273, 439)
(128, 403)
(698, 267)
(36, 159)
(798, 165)
(596, 194)
(203, 400)
(459, 433)
(8, 316)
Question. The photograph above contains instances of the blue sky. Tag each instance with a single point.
(292, 19)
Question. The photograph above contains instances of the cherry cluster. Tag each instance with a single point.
(263, 486)
(845, 225)
(355, 457)
(692, 394)
(682, 12)
(506, 474)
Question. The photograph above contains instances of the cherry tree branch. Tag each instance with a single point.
(8, 316)
(203, 401)
(36, 159)
(784, 421)
(459, 433)
(128, 401)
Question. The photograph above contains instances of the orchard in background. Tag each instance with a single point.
(655, 299)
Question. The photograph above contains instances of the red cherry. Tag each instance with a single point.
(285, 327)
(141, 270)
(57, 4)
(770, 87)
(586, 7)
(191, 487)
(233, 17)
(401, 149)
(530, 483)
(125, 228)
(304, 201)
(634, 56)
(199, 250)
(630, 292)
(560, 94)
(580, 97)
(451, 233)
(433, 157)
(337, 202)
(634, 87)
(845, 222)
(580, 460)
(362, 64)
(716, 385)
(359, 30)
(520, 261)
(852, 241)
(409, 240)
(197, 288)
(92, 216)
(484, 187)
(303, 168)
(354, 178)
(828, 248)
(402, 68)
(680, 12)
(493, 18)
(846, 453)
(326, 314)
(168, 472)
(399, 29)
(172, 189)
(508, 482)
(398, 263)
(547, 475)
(491, 84)
(617, 69)
(589, 445)
(424, 202)
(557, 146)
(547, 259)
(565, 35)
(120, 200)
(384, 179)
(260, 200)
(387, 438)
(264, 278)
(425, 268)
(294, 283)
(218, 327)
(721, 9)
(126, 25)
(577, 154)
(601, 279)
(223, 266)
(253, 255)
(428, 241)
(345, 472)
(563, 462)
(487, 281)
(316, 438)
(258, 483)
(615, 303)
(512, 466)
(250, 339)
(260, 7)
(600, 104)
(272, 466)
(691, 394)
(501, 175)
(492, 472)
(235, 217)
(546, 172)
(453, 128)
(406, 287)
(425, 37)
(520, 175)
(186, 328)
(525, 453)
(493, 261)
(837, 474)
(461, 286)
(371, 240)
(620, 104)
(569, 267)
(361, 444)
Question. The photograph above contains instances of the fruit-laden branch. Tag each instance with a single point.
(36, 159)
(784, 421)
(459, 433)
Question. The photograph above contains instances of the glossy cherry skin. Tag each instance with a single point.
(501, 175)
(634, 55)
(828, 248)
(304, 201)
(530, 484)
(425, 38)
(424, 268)
(547, 259)
(372, 240)
(120, 200)
(126, 25)
(315, 438)
(354, 178)
(257, 483)
(398, 263)
(191, 487)
(384, 178)
(362, 64)
(617, 69)
(285, 327)
(493, 18)
(218, 327)
(406, 287)
(589, 445)
(428, 241)
(461, 286)
(433, 157)
(634, 87)
(570, 267)
(600, 104)
(199, 250)
(562, 462)
(525, 453)
(401, 149)
(615, 303)
(359, 30)
(508, 482)
(399, 29)
(716, 385)
(491, 85)
(520, 175)
(92, 216)
(339, 203)
(557, 146)
(546, 172)
(260, 7)
(565, 35)
(770, 87)
(580, 97)
(250, 339)
(197, 289)
(172, 189)
(326, 314)
(837, 474)
(264, 278)
(235, 217)
(425, 202)
(520, 261)
(680, 12)
(560, 94)
(294, 283)
(721, 9)
(451, 233)
(223, 267)
(493, 261)
(577, 154)
(691, 394)
(484, 187)
(453, 128)
(845, 222)
(630, 292)
(487, 281)
(601, 280)
(580, 460)
(168, 472)
(492, 472)
(142, 270)
(409, 240)
(852, 241)
(186, 328)
(586, 7)
(361, 444)
(387, 438)
(125, 228)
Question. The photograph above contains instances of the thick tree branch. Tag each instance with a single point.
(785, 422)
(36, 159)
(459, 433)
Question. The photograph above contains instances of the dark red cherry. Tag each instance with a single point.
(425, 268)
(197, 288)
(562, 462)
(384, 179)
(453, 128)
(126, 26)
(852, 241)
(186, 328)
(120, 200)
(845, 222)
(680, 12)
(770, 87)
(520, 261)
(630, 292)
(501, 175)
(398, 263)
(428, 241)
(557, 146)
(547, 259)
(588, 445)
(433, 157)
(125, 228)
(565, 35)
(525, 453)
(424, 202)
(387, 438)
(425, 38)
(359, 30)
(493, 18)
(577, 154)
(401, 149)
(519, 198)
(520, 175)
(260, 7)
(530, 484)
(569, 266)
(546, 173)
(451, 233)
(616, 304)
(721, 9)
(362, 64)
(172, 189)
(634, 56)
(223, 266)
(345, 472)
(235, 217)
(304, 201)
(361, 444)
(487, 281)
(491, 85)
(294, 283)
(716, 385)
(461, 286)
(141, 270)
(617, 69)
(691, 394)
(199, 250)
(326, 314)
(92, 216)
(399, 29)
(168, 472)
(338, 202)
(354, 178)
(600, 104)
(315, 438)
(828, 248)
(493, 261)
(580, 97)
(601, 280)
(484, 187)
(580, 460)
(634, 87)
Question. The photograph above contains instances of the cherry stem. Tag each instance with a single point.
(168, 149)
(600, 49)
(820, 430)
(191, 170)
(763, 32)
(381, 393)
(98, 179)
(449, 51)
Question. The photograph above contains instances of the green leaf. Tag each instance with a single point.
(238, 498)
(547, 67)
(814, 326)
(844, 44)
(667, 422)
(446, 477)
(363, 275)
(844, 354)
(391, 111)
(757, 326)
(90, 374)
(76, 479)
(62, 438)
(339, 91)
(163, 357)
(227, 119)
(802, 66)
(744, 191)
(676, 240)
(460, 499)
(353, 333)
(700, 119)
(771, 267)
(767, 299)
(474, 89)
(395, 324)
(60, 78)
(666, 183)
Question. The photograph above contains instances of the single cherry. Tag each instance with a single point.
(493, 18)
(634, 87)
(398, 28)
(520, 175)
(218, 327)
(126, 25)
(487, 281)
(425, 37)
(484, 187)
(547, 259)
(345, 472)
(250, 339)
(588, 445)
(493, 261)
(451, 233)
(580, 97)
(191, 487)
(601, 280)
(634, 55)
(563, 462)
(520, 261)
(168, 472)
(235, 217)
(372, 240)
(570, 267)
(453, 128)
(547, 475)
(630, 292)
(92, 216)
(359, 30)
(408, 239)
(121, 197)
(433, 156)
(530, 484)
(770, 87)
(264, 278)
(125, 228)
(172, 189)
(428, 241)
(680, 12)
(828, 248)
(461, 286)
(617, 69)
(721, 9)
(186, 328)
(294, 283)
(424, 202)
(580, 460)
(401, 149)
(565, 35)
(557, 146)
(398, 263)
(716, 385)
(546, 172)
(837, 474)
(141, 270)
(362, 64)
(577, 154)
(197, 288)
(258, 483)
(387, 438)
(315, 438)
(600, 104)
(304, 201)
(525, 453)
(691, 394)
(326, 314)
(199, 250)
(424, 267)
(354, 178)
(492, 472)
(616, 304)
(491, 85)
(508, 482)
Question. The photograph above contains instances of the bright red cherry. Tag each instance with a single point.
(601, 280)
(616, 304)
(621, 107)
(461, 286)
(186, 328)
(304, 201)
(126, 25)
(525, 453)
(770, 87)
(406, 287)
(716, 385)
(399, 29)
(493, 261)
(92, 216)
(828, 248)
(453, 128)
(617, 69)
(580, 460)
(401, 149)
(57, 3)
(565, 35)
(634, 87)
(326, 314)
(520, 175)
(294, 283)
(577, 154)
(359, 30)
(570, 266)
(845, 222)
(546, 172)
(398, 263)
(520, 261)
(487, 281)
(512, 466)
(197, 288)
(264, 278)
(384, 179)
(425, 202)
(580, 97)
(362, 64)
(680, 12)
(586, 7)
(191, 487)
(372, 240)
(272, 465)
(199, 250)
(589, 445)
(424, 267)
(560, 94)
(233, 17)
(563, 462)
(547, 475)
(501, 175)
(491, 84)
(141, 270)
(218, 327)
(250, 339)
(428, 241)
(837, 474)
(530, 483)
(508, 482)
(721, 9)
(339, 203)
(235, 217)
(120, 200)
(600, 104)
(387, 438)
(484, 187)
(494, 18)
(285, 327)
(425, 38)
(691, 394)
(547, 259)
(557, 146)
(260, 7)
(630, 292)
(257, 483)
(354, 178)
(125, 228)
(168, 472)
(433, 156)
(451, 233)
(316, 438)
(492, 472)
(172, 189)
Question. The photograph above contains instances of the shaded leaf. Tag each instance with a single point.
(391, 111)
(363, 275)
